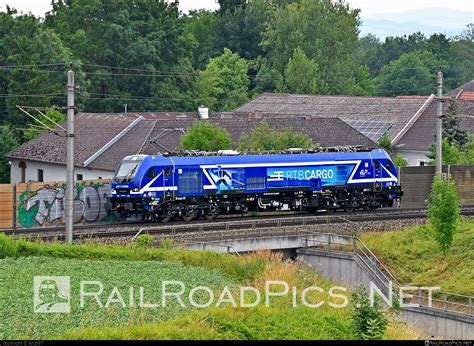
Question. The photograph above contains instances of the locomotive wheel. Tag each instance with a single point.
(164, 214)
(212, 212)
(211, 215)
(121, 216)
(348, 209)
(330, 210)
(189, 214)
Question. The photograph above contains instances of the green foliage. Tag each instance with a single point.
(368, 321)
(452, 155)
(399, 161)
(145, 35)
(412, 74)
(27, 41)
(52, 116)
(16, 301)
(461, 52)
(8, 142)
(413, 257)
(144, 240)
(452, 130)
(166, 243)
(224, 84)
(325, 31)
(444, 212)
(385, 142)
(240, 28)
(204, 135)
(201, 26)
(301, 74)
(264, 138)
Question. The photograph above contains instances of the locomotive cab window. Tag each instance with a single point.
(377, 164)
(167, 172)
(151, 173)
(388, 165)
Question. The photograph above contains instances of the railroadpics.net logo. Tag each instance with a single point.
(52, 294)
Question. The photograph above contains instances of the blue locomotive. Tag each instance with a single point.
(160, 188)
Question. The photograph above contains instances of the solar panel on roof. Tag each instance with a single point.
(369, 128)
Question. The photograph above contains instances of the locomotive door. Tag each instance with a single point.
(168, 183)
(377, 175)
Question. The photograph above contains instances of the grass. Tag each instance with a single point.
(141, 266)
(16, 283)
(414, 258)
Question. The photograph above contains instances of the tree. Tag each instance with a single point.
(325, 31)
(39, 62)
(113, 37)
(443, 211)
(204, 135)
(224, 84)
(52, 118)
(240, 28)
(8, 142)
(385, 142)
(450, 153)
(301, 74)
(264, 138)
(461, 52)
(452, 130)
(368, 320)
(201, 25)
(399, 161)
(412, 74)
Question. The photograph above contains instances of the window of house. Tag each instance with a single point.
(40, 175)
(80, 177)
(22, 165)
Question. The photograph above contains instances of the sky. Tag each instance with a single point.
(369, 7)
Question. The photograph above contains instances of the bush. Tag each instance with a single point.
(7, 247)
(144, 240)
(204, 135)
(444, 211)
(369, 322)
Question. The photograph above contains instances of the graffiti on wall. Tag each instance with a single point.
(46, 206)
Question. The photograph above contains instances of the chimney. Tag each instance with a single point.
(203, 112)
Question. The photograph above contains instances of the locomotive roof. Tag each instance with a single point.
(238, 159)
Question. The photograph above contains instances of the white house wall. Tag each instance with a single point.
(414, 157)
(52, 172)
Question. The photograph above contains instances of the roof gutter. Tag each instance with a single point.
(113, 141)
(413, 119)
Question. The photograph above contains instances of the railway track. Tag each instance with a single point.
(236, 223)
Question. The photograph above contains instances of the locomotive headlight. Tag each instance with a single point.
(113, 191)
(136, 189)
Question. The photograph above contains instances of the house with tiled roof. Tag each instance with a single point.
(103, 139)
(465, 92)
(409, 121)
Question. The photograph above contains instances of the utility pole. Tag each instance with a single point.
(439, 127)
(125, 105)
(70, 158)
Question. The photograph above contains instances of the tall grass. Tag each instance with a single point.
(414, 257)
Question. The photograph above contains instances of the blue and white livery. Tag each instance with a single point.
(161, 188)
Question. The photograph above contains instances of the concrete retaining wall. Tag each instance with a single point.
(349, 270)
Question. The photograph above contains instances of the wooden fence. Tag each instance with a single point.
(42, 204)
